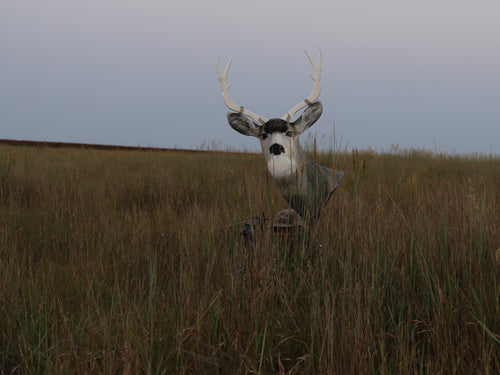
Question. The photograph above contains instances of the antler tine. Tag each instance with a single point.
(315, 92)
(227, 98)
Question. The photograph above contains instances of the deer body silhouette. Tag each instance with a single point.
(305, 185)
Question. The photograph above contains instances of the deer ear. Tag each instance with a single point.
(243, 124)
(309, 117)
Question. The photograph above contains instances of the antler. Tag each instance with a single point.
(227, 98)
(315, 92)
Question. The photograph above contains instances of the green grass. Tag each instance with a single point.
(132, 262)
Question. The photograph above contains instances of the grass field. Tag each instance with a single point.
(132, 262)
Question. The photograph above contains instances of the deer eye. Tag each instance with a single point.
(263, 136)
(289, 133)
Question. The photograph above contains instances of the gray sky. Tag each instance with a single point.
(421, 74)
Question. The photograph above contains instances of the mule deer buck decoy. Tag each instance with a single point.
(306, 185)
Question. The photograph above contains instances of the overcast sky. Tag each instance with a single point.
(420, 74)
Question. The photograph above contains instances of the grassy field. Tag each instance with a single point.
(133, 262)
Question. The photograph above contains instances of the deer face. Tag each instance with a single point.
(279, 138)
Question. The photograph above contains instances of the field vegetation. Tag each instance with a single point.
(133, 262)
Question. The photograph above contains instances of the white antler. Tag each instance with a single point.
(227, 98)
(315, 92)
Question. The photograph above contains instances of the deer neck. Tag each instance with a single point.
(306, 185)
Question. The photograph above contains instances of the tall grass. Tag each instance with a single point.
(132, 262)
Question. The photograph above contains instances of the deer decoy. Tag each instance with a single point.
(305, 185)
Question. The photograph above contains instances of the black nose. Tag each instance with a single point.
(276, 149)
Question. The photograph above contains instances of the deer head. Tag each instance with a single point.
(304, 184)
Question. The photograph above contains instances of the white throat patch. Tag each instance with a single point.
(281, 166)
